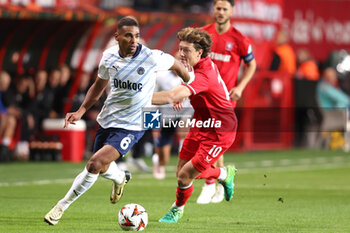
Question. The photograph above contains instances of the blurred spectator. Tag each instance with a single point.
(6, 122)
(284, 59)
(153, 5)
(111, 4)
(194, 6)
(330, 96)
(21, 107)
(340, 60)
(65, 82)
(334, 105)
(54, 87)
(79, 96)
(43, 97)
(307, 67)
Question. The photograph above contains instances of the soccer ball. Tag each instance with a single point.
(133, 217)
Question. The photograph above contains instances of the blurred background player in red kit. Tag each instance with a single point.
(228, 49)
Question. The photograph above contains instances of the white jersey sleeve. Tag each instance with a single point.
(102, 69)
(164, 60)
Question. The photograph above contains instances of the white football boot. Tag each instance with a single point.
(54, 215)
(207, 193)
(219, 194)
(118, 189)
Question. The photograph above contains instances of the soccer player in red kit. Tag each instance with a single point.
(214, 122)
(228, 49)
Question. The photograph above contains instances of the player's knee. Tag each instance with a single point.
(94, 165)
(183, 179)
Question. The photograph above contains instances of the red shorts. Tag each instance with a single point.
(204, 152)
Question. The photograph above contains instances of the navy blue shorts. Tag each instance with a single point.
(121, 139)
(166, 137)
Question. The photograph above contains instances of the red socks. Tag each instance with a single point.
(182, 195)
(210, 174)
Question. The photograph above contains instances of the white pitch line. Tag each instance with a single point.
(250, 164)
(321, 160)
(285, 162)
(37, 182)
(267, 163)
(288, 186)
(338, 159)
(292, 168)
(137, 177)
(304, 161)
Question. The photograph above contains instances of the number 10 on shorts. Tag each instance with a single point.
(214, 152)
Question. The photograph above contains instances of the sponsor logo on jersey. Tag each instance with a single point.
(116, 68)
(220, 57)
(141, 70)
(127, 85)
(229, 46)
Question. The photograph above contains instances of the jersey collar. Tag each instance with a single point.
(138, 50)
(200, 62)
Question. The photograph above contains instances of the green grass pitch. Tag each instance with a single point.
(280, 191)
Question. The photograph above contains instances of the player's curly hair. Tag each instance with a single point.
(232, 2)
(200, 39)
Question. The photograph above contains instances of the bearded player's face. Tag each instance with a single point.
(222, 12)
(128, 38)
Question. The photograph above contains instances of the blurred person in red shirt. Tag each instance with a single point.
(229, 48)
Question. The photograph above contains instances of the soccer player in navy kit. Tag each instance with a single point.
(129, 68)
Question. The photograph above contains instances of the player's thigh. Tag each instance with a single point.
(106, 155)
(189, 148)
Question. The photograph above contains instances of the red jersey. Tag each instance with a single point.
(211, 102)
(227, 51)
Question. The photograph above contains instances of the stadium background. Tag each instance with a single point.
(278, 188)
(46, 34)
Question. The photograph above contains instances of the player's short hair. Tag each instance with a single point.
(127, 21)
(232, 2)
(200, 39)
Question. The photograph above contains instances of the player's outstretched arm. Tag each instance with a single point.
(181, 71)
(92, 96)
(167, 97)
(236, 92)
